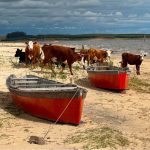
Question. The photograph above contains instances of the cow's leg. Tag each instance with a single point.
(26, 59)
(63, 65)
(20, 60)
(83, 62)
(51, 67)
(124, 64)
(62, 69)
(70, 68)
(33, 59)
(138, 69)
(88, 60)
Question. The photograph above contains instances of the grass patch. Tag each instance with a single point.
(139, 85)
(76, 68)
(4, 136)
(14, 63)
(62, 76)
(99, 138)
(1, 123)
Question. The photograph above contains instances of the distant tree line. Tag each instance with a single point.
(16, 35)
(23, 36)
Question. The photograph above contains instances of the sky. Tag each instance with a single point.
(75, 16)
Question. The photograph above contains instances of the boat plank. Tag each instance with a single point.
(47, 89)
(44, 85)
(24, 78)
(23, 82)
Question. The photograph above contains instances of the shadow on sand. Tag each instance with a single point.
(8, 106)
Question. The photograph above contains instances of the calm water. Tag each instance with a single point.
(118, 45)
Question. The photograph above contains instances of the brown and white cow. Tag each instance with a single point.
(132, 59)
(93, 55)
(32, 52)
(54, 53)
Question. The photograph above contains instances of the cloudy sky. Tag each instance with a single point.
(74, 16)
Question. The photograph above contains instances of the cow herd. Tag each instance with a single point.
(54, 54)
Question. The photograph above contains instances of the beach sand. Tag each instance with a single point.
(127, 112)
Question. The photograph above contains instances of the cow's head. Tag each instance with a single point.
(18, 52)
(142, 56)
(109, 53)
(123, 64)
(77, 57)
(29, 45)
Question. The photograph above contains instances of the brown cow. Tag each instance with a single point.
(94, 55)
(132, 59)
(54, 53)
(32, 52)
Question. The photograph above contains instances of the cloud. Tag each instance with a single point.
(118, 13)
(132, 15)
(74, 16)
(4, 22)
(8, 1)
(27, 4)
(85, 3)
(147, 15)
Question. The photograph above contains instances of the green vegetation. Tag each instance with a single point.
(14, 63)
(1, 123)
(4, 136)
(62, 76)
(99, 138)
(23, 36)
(77, 68)
(15, 35)
(139, 85)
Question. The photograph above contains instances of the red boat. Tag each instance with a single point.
(109, 77)
(47, 99)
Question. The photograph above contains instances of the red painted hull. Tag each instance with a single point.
(51, 109)
(115, 81)
(47, 99)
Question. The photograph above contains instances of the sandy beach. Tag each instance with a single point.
(124, 114)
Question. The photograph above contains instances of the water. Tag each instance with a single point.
(118, 45)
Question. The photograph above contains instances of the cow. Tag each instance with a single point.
(84, 54)
(54, 53)
(21, 55)
(94, 55)
(100, 55)
(32, 52)
(132, 59)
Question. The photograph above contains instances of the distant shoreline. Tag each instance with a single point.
(21, 36)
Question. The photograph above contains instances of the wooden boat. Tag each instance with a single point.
(109, 77)
(47, 98)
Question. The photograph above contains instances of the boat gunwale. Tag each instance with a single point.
(109, 70)
(41, 93)
(106, 71)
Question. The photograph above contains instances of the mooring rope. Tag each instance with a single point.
(61, 113)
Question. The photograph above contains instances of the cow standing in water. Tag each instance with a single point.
(54, 53)
(132, 59)
(32, 52)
